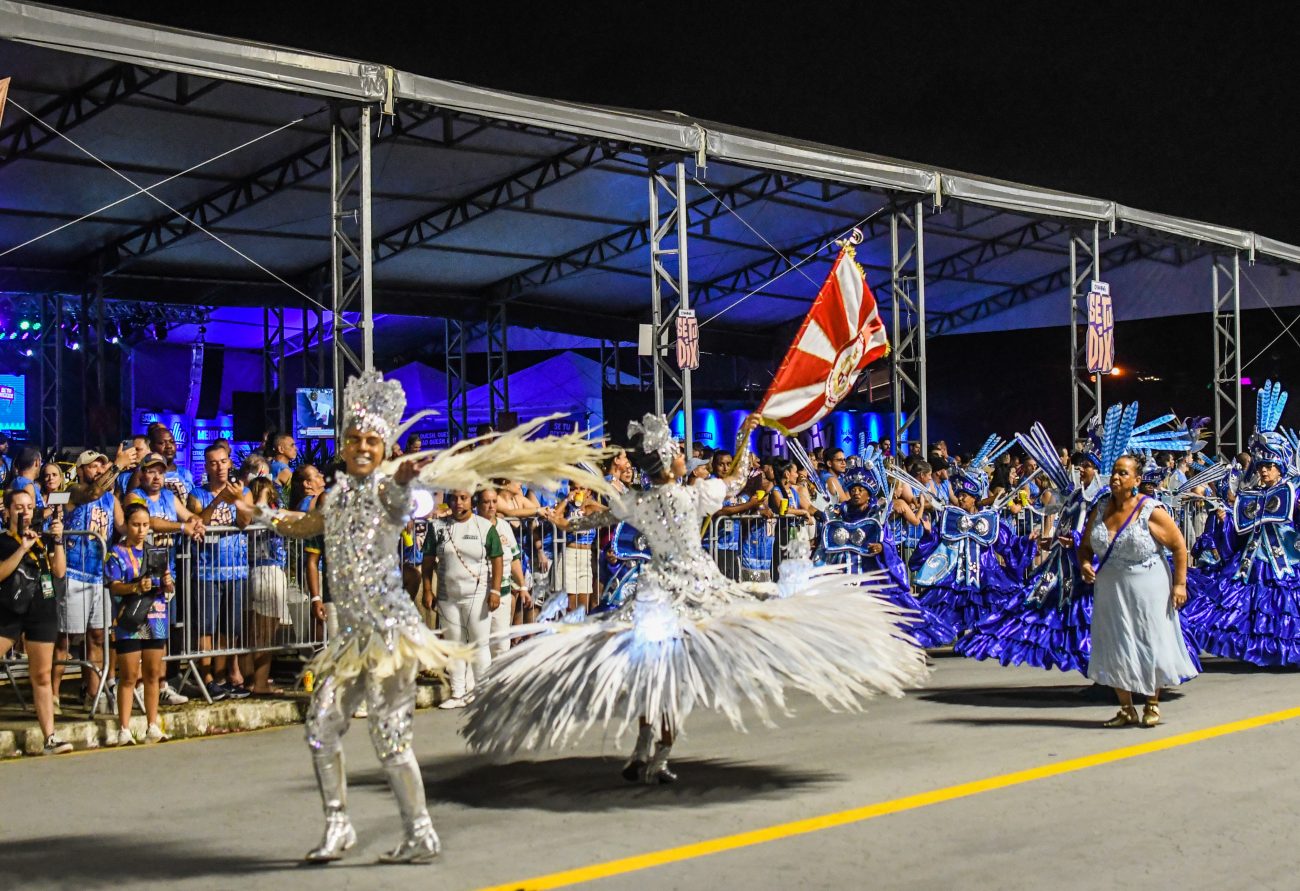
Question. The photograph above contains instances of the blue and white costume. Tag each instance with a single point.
(1248, 608)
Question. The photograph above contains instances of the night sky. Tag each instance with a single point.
(1184, 109)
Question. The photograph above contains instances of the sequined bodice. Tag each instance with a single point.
(1135, 546)
(671, 517)
(364, 519)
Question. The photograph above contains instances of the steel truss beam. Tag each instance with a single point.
(51, 370)
(1044, 285)
(636, 236)
(273, 390)
(1225, 283)
(515, 187)
(456, 339)
(352, 287)
(961, 264)
(669, 286)
(1085, 388)
(498, 361)
(85, 101)
(907, 370)
(241, 194)
(755, 274)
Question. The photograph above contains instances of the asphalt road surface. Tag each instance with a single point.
(988, 778)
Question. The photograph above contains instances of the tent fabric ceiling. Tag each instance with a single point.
(481, 195)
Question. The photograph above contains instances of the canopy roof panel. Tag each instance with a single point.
(482, 195)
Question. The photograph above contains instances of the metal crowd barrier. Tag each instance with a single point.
(96, 606)
(239, 592)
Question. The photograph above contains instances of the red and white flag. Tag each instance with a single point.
(4, 95)
(841, 336)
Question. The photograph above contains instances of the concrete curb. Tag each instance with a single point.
(20, 735)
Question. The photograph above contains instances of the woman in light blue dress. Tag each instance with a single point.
(1137, 640)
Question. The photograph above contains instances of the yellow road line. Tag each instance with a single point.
(869, 812)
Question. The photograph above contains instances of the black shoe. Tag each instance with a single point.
(634, 771)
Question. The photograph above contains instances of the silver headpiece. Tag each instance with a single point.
(656, 436)
(374, 405)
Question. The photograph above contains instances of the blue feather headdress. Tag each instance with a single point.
(1120, 434)
(1039, 446)
(1267, 445)
(870, 474)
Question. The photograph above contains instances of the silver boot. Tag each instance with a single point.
(656, 771)
(333, 783)
(420, 845)
(634, 769)
(339, 836)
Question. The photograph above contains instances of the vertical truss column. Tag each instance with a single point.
(498, 361)
(51, 370)
(907, 373)
(1226, 288)
(457, 385)
(352, 239)
(1085, 388)
(273, 367)
(669, 282)
(314, 374)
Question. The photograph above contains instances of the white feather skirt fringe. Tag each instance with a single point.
(835, 640)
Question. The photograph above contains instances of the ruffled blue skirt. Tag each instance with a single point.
(1252, 621)
(1042, 635)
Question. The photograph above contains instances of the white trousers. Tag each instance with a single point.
(501, 617)
(466, 619)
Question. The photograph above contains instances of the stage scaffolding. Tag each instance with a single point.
(581, 173)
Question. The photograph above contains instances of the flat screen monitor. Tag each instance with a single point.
(313, 416)
(13, 402)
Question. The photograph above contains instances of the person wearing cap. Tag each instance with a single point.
(94, 510)
(696, 469)
(168, 517)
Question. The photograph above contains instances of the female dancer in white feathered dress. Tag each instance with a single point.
(691, 636)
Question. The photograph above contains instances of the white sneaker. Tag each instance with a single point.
(361, 712)
(155, 734)
(124, 737)
(169, 695)
(453, 702)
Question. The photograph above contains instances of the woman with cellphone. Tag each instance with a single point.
(141, 585)
(29, 564)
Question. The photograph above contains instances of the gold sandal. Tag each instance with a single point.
(1151, 714)
(1126, 715)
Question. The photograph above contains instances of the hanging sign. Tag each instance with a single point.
(1101, 329)
(688, 340)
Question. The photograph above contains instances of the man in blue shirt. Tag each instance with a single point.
(283, 452)
(222, 572)
(94, 510)
(26, 470)
(178, 479)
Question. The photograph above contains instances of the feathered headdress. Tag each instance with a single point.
(972, 478)
(1120, 434)
(869, 474)
(654, 436)
(1267, 445)
(1039, 446)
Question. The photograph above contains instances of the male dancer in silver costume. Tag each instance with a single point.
(381, 644)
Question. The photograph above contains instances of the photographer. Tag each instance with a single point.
(141, 585)
(28, 567)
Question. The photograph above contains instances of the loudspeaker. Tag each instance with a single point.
(250, 415)
(214, 364)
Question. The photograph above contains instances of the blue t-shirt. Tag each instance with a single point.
(224, 555)
(278, 467)
(127, 565)
(180, 481)
(22, 482)
(85, 556)
(163, 507)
